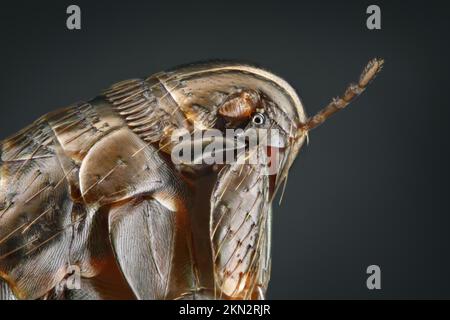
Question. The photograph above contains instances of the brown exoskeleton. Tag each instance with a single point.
(94, 186)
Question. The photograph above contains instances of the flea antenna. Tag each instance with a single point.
(354, 90)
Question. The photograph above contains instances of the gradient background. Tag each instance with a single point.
(372, 186)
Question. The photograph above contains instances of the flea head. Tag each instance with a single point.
(248, 99)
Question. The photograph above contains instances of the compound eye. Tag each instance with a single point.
(258, 119)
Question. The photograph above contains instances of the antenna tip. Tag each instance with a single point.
(370, 71)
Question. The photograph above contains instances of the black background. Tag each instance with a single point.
(372, 186)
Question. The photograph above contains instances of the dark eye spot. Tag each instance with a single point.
(258, 119)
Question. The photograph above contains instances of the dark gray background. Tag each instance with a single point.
(372, 187)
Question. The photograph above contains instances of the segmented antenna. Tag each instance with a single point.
(354, 90)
